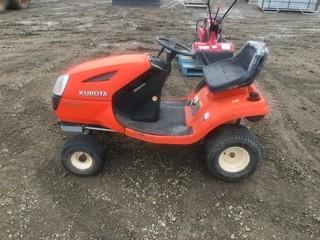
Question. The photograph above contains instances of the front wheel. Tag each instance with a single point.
(83, 155)
(232, 153)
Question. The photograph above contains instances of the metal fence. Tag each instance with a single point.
(289, 5)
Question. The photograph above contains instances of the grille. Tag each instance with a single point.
(55, 101)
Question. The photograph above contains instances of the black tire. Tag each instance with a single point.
(236, 140)
(18, 4)
(3, 5)
(87, 147)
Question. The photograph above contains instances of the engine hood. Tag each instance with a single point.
(113, 62)
(99, 79)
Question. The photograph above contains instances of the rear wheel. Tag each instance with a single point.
(18, 4)
(232, 153)
(83, 155)
(2, 5)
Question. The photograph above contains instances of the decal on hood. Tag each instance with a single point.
(92, 93)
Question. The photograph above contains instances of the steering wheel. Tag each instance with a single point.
(173, 46)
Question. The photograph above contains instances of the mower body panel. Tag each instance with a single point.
(211, 110)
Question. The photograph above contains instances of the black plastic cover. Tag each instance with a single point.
(140, 99)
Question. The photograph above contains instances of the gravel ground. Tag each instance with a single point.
(149, 191)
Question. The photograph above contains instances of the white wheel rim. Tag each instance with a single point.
(234, 159)
(81, 160)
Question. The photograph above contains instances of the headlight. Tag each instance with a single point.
(60, 85)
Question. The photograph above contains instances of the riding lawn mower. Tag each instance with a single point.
(121, 94)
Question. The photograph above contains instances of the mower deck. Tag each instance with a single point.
(171, 121)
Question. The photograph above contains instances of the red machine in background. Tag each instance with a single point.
(209, 46)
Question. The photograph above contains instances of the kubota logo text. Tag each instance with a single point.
(89, 93)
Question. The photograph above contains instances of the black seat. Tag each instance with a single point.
(240, 70)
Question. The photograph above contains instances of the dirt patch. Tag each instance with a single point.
(149, 191)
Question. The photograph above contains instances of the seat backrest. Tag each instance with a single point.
(251, 57)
